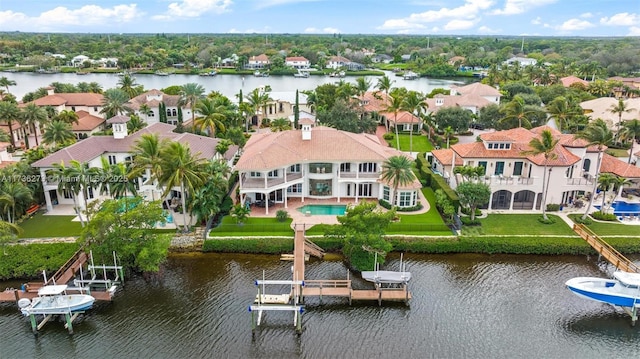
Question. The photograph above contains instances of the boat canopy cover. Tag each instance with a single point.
(383, 276)
(628, 278)
(52, 289)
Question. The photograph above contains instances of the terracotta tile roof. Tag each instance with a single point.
(570, 80)
(518, 134)
(415, 184)
(86, 122)
(445, 156)
(339, 59)
(272, 150)
(375, 101)
(118, 119)
(259, 58)
(402, 117)
(96, 146)
(296, 58)
(469, 100)
(169, 100)
(620, 168)
(71, 99)
(477, 88)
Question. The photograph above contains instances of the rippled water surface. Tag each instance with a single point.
(463, 306)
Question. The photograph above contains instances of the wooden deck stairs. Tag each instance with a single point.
(605, 250)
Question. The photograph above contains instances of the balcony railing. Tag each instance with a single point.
(367, 175)
(579, 181)
(258, 182)
(504, 180)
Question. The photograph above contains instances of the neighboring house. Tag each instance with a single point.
(106, 62)
(523, 61)
(117, 149)
(87, 125)
(5, 157)
(515, 178)
(259, 62)
(88, 102)
(457, 61)
(78, 61)
(337, 62)
(376, 103)
(570, 80)
(229, 62)
(381, 59)
(153, 99)
(297, 62)
(281, 104)
(491, 94)
(601, 108)
(304, 118)
(18, 134)
(630, 86)
(319, 162)
(471, 102)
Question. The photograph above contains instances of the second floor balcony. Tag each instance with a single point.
(247, 182)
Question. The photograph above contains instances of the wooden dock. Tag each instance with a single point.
(605, 250)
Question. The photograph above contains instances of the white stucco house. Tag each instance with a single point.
(153, 99)
(515, 178)
(317, 162)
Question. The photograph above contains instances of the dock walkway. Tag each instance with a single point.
(605, 250)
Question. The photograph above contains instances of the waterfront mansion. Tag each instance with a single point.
(319, 163)
(515, 177)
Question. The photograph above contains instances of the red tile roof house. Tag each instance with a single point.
(377, 102)
(153, 99)
(117, 149)
(516, 178)
(258, 62)
(316, 163)
(89, 102)
(297, 62)
(87, 125)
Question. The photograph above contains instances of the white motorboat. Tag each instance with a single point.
(53, 299)
(623, 290)
(383, 276)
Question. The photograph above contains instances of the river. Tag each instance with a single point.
(228, 85)
(463, 306)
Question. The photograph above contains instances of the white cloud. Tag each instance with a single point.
(586, 15)
(264, 30)
(469, 11)
(326, 30)
(194, 8)
(537, 21)
(574, 24)
(262, 4)
(512, 7)
(487, 30)
(459, 25)
(634, 31)
(59, 17)
(621, 19)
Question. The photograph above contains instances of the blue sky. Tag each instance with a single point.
(436, 17)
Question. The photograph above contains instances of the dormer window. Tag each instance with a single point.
(498, 146)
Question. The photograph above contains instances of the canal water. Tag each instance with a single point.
(463, 306)
(228, 85)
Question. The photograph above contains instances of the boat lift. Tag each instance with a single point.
(110, 285)
(277, 302)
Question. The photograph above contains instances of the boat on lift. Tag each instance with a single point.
(623, 290)
(53, 299)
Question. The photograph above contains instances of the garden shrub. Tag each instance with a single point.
(587, 221)
(549, 220)
(468, 222)
(282, 215)
(604, 216)
(388, 136)
(553, 207)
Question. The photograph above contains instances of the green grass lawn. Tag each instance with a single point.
(420, 143)
(425, 224)
(518, 224)
(40, 226)
(253, 227)
(616, 152)
(611, 228)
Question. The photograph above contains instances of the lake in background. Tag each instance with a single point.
(228, 85)
(463, 306)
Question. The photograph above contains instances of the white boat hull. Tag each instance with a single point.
(59, 304)
(604, 290)
(383, 276)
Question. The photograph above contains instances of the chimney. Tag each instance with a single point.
(50, 90)
(119, 126)
(306, 131)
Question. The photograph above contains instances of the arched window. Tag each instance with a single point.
(586, 165)
(174, 112)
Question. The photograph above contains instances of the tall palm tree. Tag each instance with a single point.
(562, 110)
(66, 183)
(146, 111)
(5, 82)
(135, 124)
(596, 134)
(516, 110)
(9, 113)
(20, 196)
(34, 116)
(114, 102)
(394, 105)
(630, 132)
(147, 157)
(545, 145)
(385, 84)
(8, 233)
(397, 171)
(620, 182)
(605, 182)
(448, 133)
(211, 116)
(619, 108)
(127, 83)
(280, 124)
(87, 178)
(57, 133)
(95, 87)
(257, 99)
(415, 103)
(362, 86)
(190, 93)
(181, 169)
(67, 116)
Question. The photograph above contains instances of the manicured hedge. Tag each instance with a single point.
(28, 261)
(249, 245)
(435, 181)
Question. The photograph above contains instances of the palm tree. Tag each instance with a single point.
(146, 111)
(619, 183)
(396, 100)
(415, 104)
(619, 108)
(147, 157)
(5, 82)
(448, 134)
(280, 124)
(9, 112)
(67, 116)
(135, 124)
(211, 116)
(127, 83)
(562, 110)
(181, 169)
(385, 84)
(57, 132)
(362, 86)
(190, 93)
(34, 116)
(397, 171)
(545, 145)
(516, 110)
(630, 132)
(19, 194)
(596, 134)
(66, 183)
(605, 182)
(95, 87)
(257, 99)
(8, 233)
(114, 103)
(86, 177)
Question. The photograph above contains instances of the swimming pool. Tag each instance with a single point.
(622, 208)
(324, 209)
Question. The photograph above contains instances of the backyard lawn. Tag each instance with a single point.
(41, 226)
(420, 143)
(611, 228)
(519, 224)
(253, 227)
